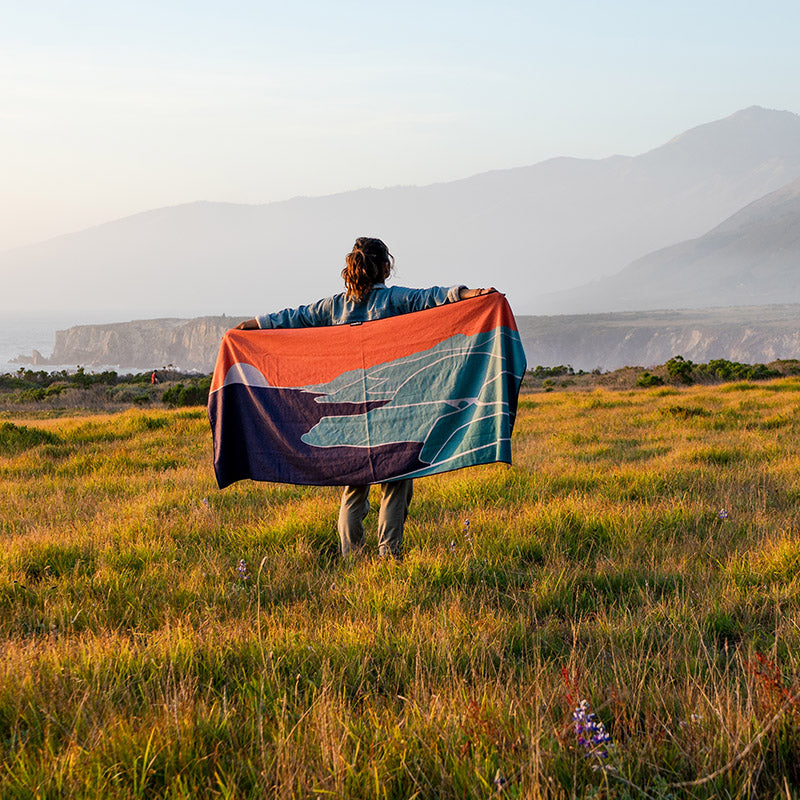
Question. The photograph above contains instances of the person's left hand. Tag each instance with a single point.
(467, 293)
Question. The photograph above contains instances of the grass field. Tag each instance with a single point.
(161, 638)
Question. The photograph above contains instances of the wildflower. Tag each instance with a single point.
(242, 570)
(499, 781)
(467, 535)
(590, 731)
(723, 514)
(467, 538)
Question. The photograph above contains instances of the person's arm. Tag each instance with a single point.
(465, 294)
(313, 315)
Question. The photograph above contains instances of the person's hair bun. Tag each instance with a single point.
(365, 265)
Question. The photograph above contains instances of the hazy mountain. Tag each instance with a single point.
(752, 257)
(529, 231)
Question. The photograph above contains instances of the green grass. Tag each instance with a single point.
(137, 662)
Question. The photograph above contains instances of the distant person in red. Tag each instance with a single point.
(154, 378)
(366, 298)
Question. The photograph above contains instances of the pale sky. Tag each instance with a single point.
(109, 108)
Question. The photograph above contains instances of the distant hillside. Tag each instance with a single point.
(752, 257)
(751, 335)
(608, 341)
(528, 230)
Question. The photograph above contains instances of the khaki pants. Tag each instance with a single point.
(395, 499)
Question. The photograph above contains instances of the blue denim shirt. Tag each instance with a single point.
(382, 301)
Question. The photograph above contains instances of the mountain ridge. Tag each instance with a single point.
(753, 255)
(531, 229)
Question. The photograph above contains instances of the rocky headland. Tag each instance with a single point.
(187, 344)
(753, 334)
(749, 334)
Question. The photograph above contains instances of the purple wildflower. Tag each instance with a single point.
(590, 731)
(242, 570)
(467, 535)
(723, 514)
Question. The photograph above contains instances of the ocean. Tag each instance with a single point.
(21, 334)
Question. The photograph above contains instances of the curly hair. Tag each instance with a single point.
(365, 266)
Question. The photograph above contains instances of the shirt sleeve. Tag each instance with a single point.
(314, 315)
(420, 299)
(454, 293)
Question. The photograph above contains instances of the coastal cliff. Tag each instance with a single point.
(755, 334)
(750, 335)
(187, 344)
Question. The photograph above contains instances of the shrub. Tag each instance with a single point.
(552, 372)
(786, 366)
(680, 369)
(647, 379)
(193, 393)
(130, 393)
(30, 395)
(16, 438)
(732, 370)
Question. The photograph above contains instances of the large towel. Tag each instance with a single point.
(399, 397)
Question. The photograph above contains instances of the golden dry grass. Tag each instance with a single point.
(138, 662)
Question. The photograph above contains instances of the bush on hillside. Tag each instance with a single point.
(647, 379)
(192, 393)
(552, 372)
(726, 370)
(680, 370)
(786, 366)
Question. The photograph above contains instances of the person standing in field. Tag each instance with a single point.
(366, 297)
